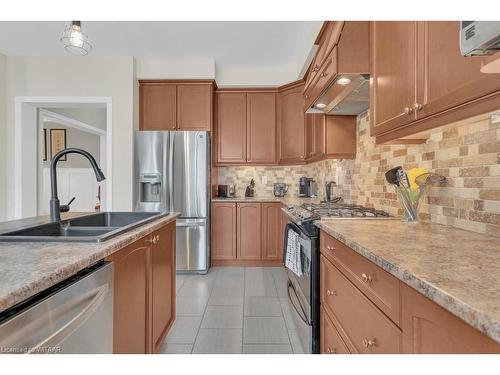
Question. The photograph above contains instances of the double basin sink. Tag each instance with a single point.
(91, 228)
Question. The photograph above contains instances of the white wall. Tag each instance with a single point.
(3, 151)
(175, 69)
(85, 77)
(91, 116)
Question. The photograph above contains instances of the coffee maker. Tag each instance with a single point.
(307, 187)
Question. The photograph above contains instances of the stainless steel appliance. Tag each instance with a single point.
(280, 189)
(479, 37)
(304, 291)
(312, 188)
(75, 316)
(226, 191)
(307, 187)
(172, 173)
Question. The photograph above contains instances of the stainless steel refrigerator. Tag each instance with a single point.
(172, 173)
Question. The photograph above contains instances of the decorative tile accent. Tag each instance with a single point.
(468, 154)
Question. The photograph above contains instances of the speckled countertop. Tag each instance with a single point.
(457, 269)
(27, 268)
(286, 200)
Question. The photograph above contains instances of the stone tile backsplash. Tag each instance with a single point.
(467, 153)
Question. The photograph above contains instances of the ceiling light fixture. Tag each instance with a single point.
(75, 40)
(320, 105)
(343, 81)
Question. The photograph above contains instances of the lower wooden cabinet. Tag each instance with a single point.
(144, 292)
(428, 328)
(362, 311)
(247, 233)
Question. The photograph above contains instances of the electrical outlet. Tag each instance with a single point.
(263, 179)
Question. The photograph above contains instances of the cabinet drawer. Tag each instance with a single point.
(365, 328)
(331, 342)
(380, 287)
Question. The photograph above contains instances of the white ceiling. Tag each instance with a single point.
(231, 45)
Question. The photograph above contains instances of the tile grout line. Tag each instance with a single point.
(244, 302)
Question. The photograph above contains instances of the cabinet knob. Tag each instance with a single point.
(408, 110)
(331, 351)
(367, 343)
(316, 68)
(324, 74)
(418, 106)
(366, 278)
(331, 248)
(306, 96)
(331, 292)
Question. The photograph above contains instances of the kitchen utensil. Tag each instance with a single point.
(280, 189)
(396, 176)
(250, 190)
(412, 174)
(427, 179)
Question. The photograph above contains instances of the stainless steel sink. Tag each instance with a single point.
(91, 228)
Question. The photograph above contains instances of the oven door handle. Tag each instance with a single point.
(302, 313)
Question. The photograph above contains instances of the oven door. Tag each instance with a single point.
(299, 295)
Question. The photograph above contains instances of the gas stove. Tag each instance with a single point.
(308, 212)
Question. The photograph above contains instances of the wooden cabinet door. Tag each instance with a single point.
(272, 231)
(446, 78)
(223, 231)
(194, 106)
(261, 128)
(315, 136)
(291, 126)
(131, 308)
(341, 132)
(163, 285)
(310, 136)
(393, 72)
(428, 328)
(249, 239)
(231, 128)
(158, 108)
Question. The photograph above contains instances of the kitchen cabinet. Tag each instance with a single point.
(231, 128)
(272, 231)
(175, 105)
(291, 120)
(163, 284)
(370, 311)
(249, 233)
(223, 231)
(130, 301)
(340, 134)
(420, 80)
(261, 128)
(428, 328)
(315, 136)
(144, 292)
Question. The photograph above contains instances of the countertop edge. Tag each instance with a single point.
(106, 249)
(475, 318)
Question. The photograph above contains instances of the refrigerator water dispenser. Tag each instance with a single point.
(150, 186)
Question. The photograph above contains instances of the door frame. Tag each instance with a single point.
(26, 139)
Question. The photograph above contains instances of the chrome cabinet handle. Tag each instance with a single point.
(331, 351)
(367, 278)
(408, 110)
(153, 240)
(331, 292)
(418, 106)
(316, 68)
(367, 343)
(331, 248)
(324, 74)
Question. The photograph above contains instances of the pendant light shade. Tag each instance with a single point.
(75, 40)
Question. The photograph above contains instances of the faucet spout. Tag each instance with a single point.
(55, 213)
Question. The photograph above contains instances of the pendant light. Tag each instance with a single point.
(75, 40)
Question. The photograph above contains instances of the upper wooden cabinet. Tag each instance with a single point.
(340, 136)
(315, 136)
(291, 120)
(231, 128)
(421, 81)
(261, 128)
(246, 127)
(175, 105)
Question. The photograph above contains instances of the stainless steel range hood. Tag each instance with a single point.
(349, 94)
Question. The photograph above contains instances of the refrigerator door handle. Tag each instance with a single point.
(171, 172)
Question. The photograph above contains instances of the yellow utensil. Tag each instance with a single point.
(412, 174)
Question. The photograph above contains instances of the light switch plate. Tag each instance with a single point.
(264, 180)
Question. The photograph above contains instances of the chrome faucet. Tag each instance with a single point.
(328, 190)
(55, 207)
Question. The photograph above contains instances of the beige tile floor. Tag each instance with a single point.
(233, 310)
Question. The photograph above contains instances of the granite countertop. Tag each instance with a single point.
(27, 268)
(457, 269)
(286, 200)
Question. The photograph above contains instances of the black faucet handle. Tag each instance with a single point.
(65, 207)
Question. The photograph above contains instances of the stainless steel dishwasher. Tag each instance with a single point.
(74, 316)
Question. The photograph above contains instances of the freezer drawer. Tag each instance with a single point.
(192, 245)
